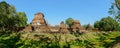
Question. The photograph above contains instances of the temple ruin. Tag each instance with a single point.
(39, 24)
(76, 26)
(63, 28)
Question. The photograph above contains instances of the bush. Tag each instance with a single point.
(107, 24)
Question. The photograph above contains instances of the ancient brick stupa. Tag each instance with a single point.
(38, 24)
(38, 19)
(76, 26)
(63, 28)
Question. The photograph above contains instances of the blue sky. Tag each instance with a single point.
(55, 11)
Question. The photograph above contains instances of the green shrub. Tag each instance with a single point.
(107, 24)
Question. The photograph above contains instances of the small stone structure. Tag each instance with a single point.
(28, 29)
(63, 28)
(76, 26)
(88, 27)
(54, 28)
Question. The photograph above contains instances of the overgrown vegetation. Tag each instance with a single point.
(10, 19)
(35, 40)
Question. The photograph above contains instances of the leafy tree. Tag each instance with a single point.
(10, 19)
(117, 2)
(20, 19)
(96, 24)
(115, 11)
(69, 21)
(107, 24)
(3, 13)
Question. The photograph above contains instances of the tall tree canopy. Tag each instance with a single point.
(9, 18)
(22, 19)
(69, 21)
